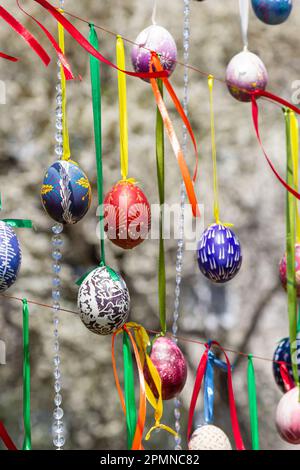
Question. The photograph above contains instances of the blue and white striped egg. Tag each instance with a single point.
(66, 192)
(10, 256)
(219, 253)
(283, 354)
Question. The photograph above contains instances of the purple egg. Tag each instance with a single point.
(246, 72)
(158, 39)
(171, 366)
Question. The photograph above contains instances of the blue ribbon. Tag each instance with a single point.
(209, 387)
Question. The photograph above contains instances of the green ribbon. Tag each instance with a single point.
(290, 246)
(96, 98)
(160, 167)
(253, 404)
(26, 378)
(19, 223)
(131, 416)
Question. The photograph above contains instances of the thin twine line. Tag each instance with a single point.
(188, 66)
(180, 338)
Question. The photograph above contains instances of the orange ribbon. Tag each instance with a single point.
(137, 441)
(173, 138)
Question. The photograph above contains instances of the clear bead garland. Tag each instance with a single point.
(180, 244)
(58, 434)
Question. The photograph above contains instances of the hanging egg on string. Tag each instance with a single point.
(158, 39)
(272, 12)
(288, 417)
(103, 301)
(171, 366)
(10, 256)
(245, 73)
(219, 253)
(209, 437)
(127, 215)
(283, 354)
(283, 269)
(66, 192)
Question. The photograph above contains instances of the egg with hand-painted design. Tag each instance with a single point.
(10, 256)
(103, 301)
(219, 253)
(245, 73)
(272, 12)
(158, 39)
(66, 192)
(283, 354)
(209, 437)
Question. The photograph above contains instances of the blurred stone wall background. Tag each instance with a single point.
(249, 314)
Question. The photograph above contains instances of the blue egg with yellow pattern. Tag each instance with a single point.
(283, 354)
(66, 192)
(219, 253)
(272, 12)
(10, 256)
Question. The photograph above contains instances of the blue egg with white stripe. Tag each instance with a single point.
(219, 253)
(283, 354)
(10, 256)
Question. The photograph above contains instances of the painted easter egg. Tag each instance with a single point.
(283, 354)
(158, 39)
(283, 267)
(127, 215)
(10, 256)
(245, 73)
(103, 301)
(288, 417)
(272, 11)
(209, 437)
(171, 366)
(66, 192)
(219, 253)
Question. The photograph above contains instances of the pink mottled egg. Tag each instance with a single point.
(288, 417)
(158, 39)
(171, 366)
(245, 72)
(282, 269)
(209, 437)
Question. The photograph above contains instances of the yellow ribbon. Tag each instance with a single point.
(143, 343)
(295, 156)
(214, 153)
(66, 142)
(122, 108)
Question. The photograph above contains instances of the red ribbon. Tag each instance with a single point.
(198, 382)
(22, 31)
(8, 57)
(88, 47)
(283, 102)
(66, 66)
(286, 378)
(6, 438)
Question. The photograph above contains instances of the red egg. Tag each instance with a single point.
(171, 366)
(127, 215)
(282, 269)
(288, 417)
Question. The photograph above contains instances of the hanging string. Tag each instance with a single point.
(153, 332)
(66, 142)
(252, 404)
(244, 14)
(122, 108)
(154, 11)
(5, 437)
(9, 57)
(26, 378)
(95, 72)
(290, 240)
